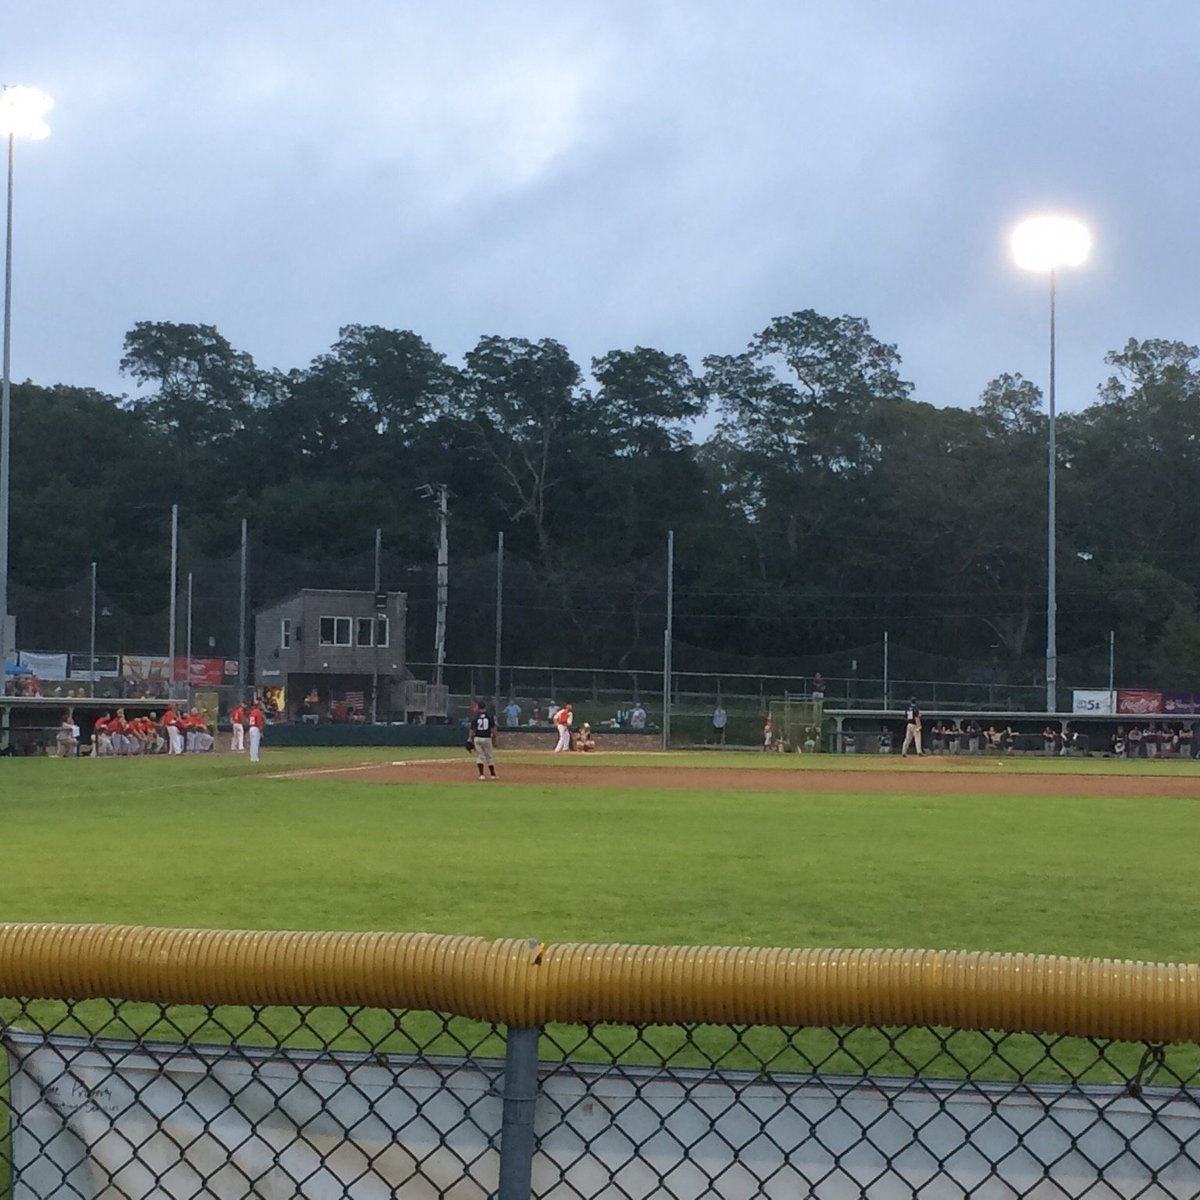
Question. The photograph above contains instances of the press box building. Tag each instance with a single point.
(337, 645)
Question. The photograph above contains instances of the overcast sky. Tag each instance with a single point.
(666, 173)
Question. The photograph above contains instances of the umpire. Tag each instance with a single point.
(483, 733)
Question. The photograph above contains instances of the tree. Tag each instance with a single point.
(647, 399)
(520, 401)
(203, 394)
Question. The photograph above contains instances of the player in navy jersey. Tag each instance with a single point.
(483, 733)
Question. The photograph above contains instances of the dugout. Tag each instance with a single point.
(28, 724)
(865, 725)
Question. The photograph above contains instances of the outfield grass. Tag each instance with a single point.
(210, 842)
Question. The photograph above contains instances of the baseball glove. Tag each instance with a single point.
(470, 746)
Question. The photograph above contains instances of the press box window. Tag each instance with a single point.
(366, 632)
(285, 633)
(381, 631)
(335, 631)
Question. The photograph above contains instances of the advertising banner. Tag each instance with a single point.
(1180, 703)
(1139, 704)
(146, 666)
(108, 666)
(44, 666)
(1092, 701)
(203, 672)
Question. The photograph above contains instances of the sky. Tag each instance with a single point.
(609, 173)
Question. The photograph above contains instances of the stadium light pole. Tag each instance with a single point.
(22, 114)
(1046, 244)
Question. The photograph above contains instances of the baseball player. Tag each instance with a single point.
(912, 728)
(173, 732)
(483, 734)
(255, 720)
(237, 719)
(562, 719)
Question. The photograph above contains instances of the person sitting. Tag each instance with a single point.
(849, 743)
(1008, 740)
(885, 742)
(991, 739)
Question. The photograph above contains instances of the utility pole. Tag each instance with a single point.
(428, 491)
(443, 582)
(499, 618)
(668, 634)
(174, 597)
(242, 619)
(92, 640)
(375, 631)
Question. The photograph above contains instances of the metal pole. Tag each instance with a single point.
(174, 595)
(189, 636)
(499, 616)
(375, 637)
(443, 584)
(885, 668)
(516, 1123)
(1112, 660)
(1051, 548)
(6, 413)
(92, 641)
(667, 636)
(242, 617)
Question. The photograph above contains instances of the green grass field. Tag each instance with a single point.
(210, 842)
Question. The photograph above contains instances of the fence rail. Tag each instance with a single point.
(149, 1062)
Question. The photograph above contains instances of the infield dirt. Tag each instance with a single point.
(987, 778)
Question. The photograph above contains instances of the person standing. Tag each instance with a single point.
(562, 720)
(237, 720)
(720, 719)
(512, 714)
(174, 734)
(483, 734)
(912, 728)
(256, 721)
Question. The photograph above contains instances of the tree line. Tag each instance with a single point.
(814, 501)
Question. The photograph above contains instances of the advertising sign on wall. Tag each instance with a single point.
(145, 666)
(1092, 701)
(108, 666)
(203, 672)
(45, 666)
(1139, 704)
(1180, 703)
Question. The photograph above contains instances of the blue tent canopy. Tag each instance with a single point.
(17, 669)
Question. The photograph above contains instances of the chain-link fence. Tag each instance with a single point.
(142, 1098)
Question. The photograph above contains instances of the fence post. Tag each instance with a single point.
(516, 1129)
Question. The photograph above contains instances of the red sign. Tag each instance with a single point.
(205, 672)
(1139, 704)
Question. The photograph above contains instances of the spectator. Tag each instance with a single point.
(974, 734)
(818, 687)
(720, 719)
(637, 718)
(512, 714)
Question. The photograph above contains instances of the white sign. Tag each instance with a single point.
(1093, 701)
